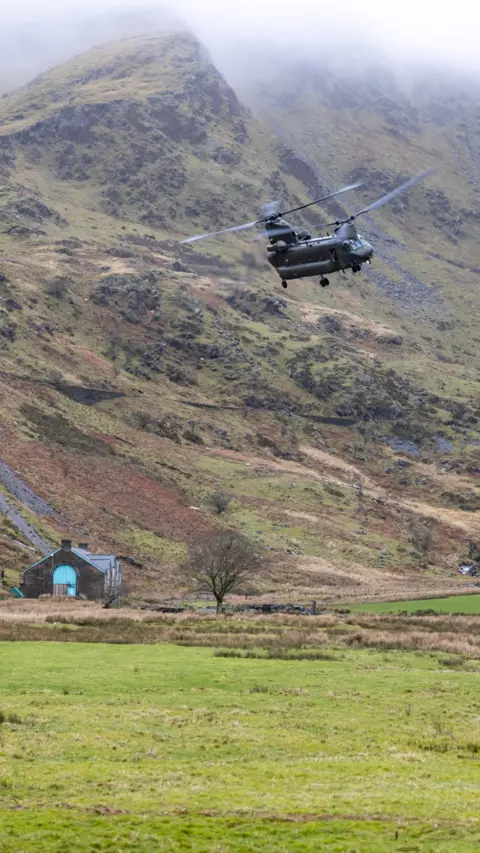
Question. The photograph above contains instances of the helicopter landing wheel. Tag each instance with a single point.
(324, 282)
(284, 284)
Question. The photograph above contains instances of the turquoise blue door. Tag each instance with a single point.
(65, 581)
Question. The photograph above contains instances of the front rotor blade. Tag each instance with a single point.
(324, 198)
(393, 194)
(224, 231)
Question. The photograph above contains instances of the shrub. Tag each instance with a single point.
(57, 288)
(220, 502)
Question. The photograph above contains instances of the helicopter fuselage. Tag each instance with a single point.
(295, 258)
(299, 255)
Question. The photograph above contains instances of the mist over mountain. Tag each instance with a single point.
(31, 42)
(407, 37)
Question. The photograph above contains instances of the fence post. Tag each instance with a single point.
(314, 608)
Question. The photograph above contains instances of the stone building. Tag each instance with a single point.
(73, 572)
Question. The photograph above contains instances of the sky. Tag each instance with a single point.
(402, 30)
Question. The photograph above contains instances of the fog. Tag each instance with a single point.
(36, 36)
(408, 29)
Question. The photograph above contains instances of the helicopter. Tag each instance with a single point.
(297, 255)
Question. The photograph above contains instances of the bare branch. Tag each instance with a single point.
(220, 563)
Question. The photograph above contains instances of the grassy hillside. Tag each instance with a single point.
(138, 376)
(375, 128)
(144, 129)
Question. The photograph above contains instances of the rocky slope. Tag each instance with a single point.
(138, 376)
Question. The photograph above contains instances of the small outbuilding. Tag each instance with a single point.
(74, 572)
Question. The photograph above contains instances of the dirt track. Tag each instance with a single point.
(451, 517)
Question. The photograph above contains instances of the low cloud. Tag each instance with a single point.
(34, 37)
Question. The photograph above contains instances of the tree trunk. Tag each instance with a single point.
(219, 604)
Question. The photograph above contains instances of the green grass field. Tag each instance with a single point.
(165, 748)
(468, 604)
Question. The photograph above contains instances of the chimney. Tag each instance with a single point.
(67, 544)
(83, 546)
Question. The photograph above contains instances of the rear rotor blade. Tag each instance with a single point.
(277, 232)
(271, 209)
(224, 231)
(324, 198)
(393, 194)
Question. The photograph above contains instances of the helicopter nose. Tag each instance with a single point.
(366, 252)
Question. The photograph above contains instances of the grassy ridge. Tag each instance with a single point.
(244, 635)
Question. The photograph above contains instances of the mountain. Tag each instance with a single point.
(139, 376)
(30, 44)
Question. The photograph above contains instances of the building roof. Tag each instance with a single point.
(102, 562)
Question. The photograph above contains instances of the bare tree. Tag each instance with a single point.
(220, 502)
(474, 551)
(221, 563)
(114, 589)
(56, 379)
(421, 537)
(359, 488)
(116, 369)
(113, 349)
(68, 461)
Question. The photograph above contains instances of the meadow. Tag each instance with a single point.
(246, 735)
(467, 604)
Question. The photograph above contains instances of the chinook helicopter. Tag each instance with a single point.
(297, 255)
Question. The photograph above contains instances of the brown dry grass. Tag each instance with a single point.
(312, 313)
(274, 635)
(335, 463)
(334, 581)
